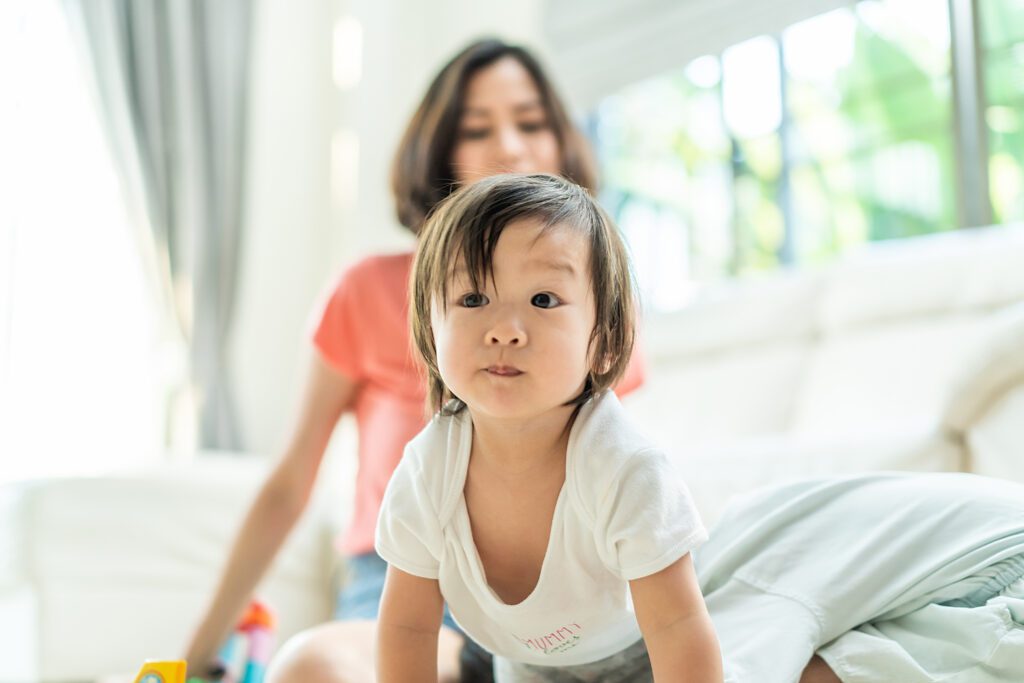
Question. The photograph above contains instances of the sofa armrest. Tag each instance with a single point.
(119, 567)
(996, 368)
(995, 442)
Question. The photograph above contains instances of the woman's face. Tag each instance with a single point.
(504, 127)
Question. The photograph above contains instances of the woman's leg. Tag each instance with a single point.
(344, 652)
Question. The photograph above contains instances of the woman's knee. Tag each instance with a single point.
(344, 652)
(337, 652)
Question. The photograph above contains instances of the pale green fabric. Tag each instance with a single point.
(852, 561)
(951, 644)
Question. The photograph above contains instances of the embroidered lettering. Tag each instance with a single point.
(559, 640)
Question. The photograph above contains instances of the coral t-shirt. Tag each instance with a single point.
(363, 333)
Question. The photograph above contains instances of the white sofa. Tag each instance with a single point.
(906, 355)
(99, 574)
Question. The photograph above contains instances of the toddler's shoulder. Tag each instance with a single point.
(608, 447)
(436, 459)
(605, 434)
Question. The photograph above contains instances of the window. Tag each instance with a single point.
(786, 150)
(1002, 38)
(79, 391)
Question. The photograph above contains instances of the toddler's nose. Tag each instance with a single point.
(506, 333)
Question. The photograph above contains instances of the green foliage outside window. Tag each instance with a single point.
(1002, 29)
(853, 141)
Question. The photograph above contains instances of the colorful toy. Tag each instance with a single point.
(258, 625)
(230, 659)
(242, 659)
(161, 672)
(245, 655)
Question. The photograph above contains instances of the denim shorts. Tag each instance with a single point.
(362, 588)
(631, 665)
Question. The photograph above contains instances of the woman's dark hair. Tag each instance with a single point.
(422, 173)
(464, 231)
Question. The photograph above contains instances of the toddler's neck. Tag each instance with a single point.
(522, 449)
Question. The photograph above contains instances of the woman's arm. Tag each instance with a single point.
(275, 510)
(410, 618)
(676, 626)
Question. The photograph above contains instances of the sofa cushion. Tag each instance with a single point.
(996, 439)
(719, 395)
(121, 566)
(947, 273)
(739, 315)
(995, 366)
(887, 374)
(729, 364)
(718, 472)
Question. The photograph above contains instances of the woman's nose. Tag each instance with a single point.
(511, 145)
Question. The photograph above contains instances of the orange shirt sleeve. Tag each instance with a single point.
(336, 329)
(636, 372)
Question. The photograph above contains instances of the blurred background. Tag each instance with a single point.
(735, 139)
(824, 200)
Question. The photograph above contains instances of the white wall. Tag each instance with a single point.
(298, 235)
(285, 255)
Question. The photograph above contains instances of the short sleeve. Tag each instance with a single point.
(335, 325)
(647, 520)
(408, 529)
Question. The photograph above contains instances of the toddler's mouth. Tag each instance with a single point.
(504, 370)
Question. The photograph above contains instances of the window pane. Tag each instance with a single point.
(1002, 24)
(791, 149)
(870, 101)
(79, 392)
(662, 143)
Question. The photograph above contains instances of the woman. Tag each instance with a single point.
(490, 110)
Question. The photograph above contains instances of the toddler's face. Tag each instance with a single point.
(519, 348)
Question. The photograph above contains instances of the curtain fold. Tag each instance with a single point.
(171, 77)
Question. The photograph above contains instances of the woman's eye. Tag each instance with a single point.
(474, 133)
(545, 300)
(533, 126)
(474, 300)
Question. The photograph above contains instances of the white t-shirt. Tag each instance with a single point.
(622, 514)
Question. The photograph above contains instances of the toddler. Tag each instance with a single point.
(559, 537)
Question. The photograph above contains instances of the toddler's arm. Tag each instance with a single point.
(676, 626)
(410, 618)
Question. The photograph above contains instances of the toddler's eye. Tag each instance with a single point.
(473, 300)
(545, 300)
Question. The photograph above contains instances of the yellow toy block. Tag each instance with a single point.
(162, 672)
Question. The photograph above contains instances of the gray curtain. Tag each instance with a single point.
(172, 80)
